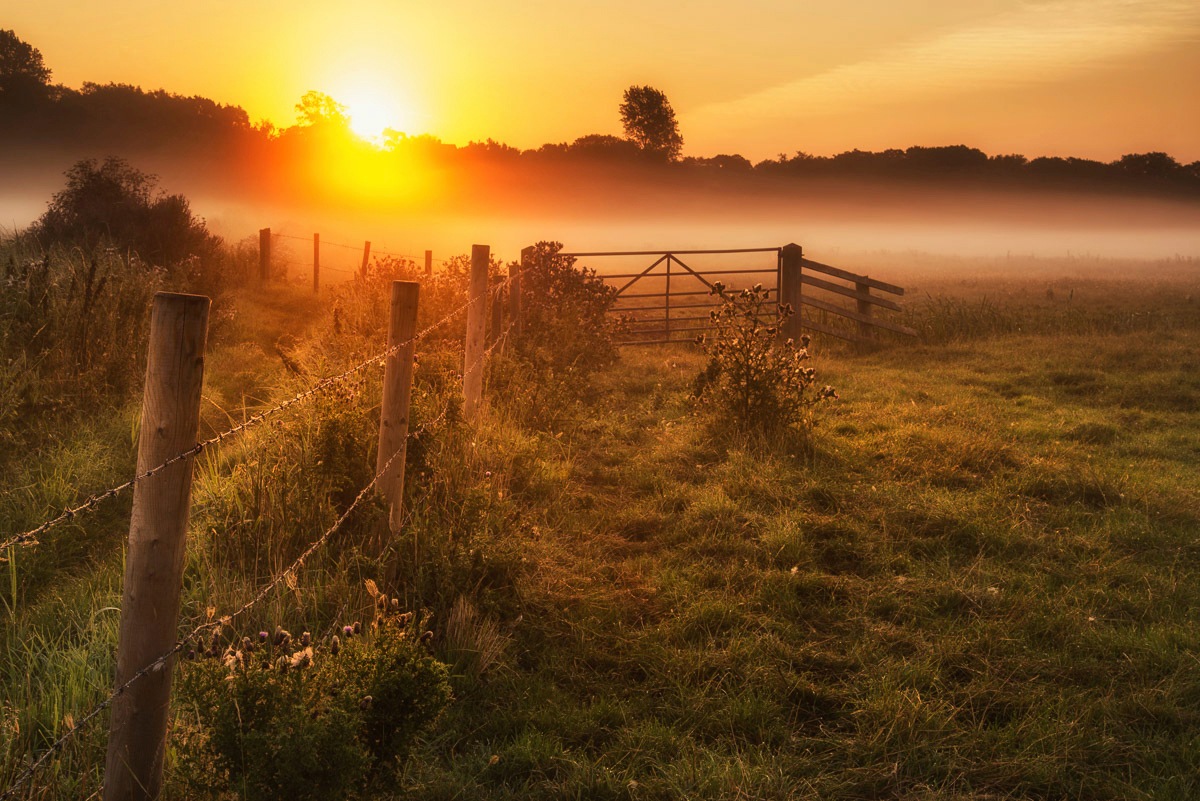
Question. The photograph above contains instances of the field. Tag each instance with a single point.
(977, 577)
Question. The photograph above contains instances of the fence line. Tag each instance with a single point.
(161, 662)
(28, 538)
(182, 642)
(357, 248)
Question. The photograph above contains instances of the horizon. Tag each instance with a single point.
(1067, 79)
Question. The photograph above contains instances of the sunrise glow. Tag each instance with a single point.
(372, 111)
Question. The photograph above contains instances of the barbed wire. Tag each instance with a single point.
(288, 573)
(161, 662)
(28, 538)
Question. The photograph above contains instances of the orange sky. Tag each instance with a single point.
(1092, 78)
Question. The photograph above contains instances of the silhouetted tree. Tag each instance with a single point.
(115, 204)
(650, 122)
(316, 108)
(23, 74)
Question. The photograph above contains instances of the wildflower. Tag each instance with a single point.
(348, 631)
(365, 703)
(301, 659)
(306, 639)
(335, 645)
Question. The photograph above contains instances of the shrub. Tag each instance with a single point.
(564, 309)
(113, 204)
(753, 379)
(288, 719)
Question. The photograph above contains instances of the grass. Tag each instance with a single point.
(979, 578)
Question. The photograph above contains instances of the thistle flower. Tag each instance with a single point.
(348, 631)
(395, 605)
(335, 645)
(301, 659)
(306, 639)
(358, 627)
(365, 703)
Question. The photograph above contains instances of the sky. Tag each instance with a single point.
(1088, 78)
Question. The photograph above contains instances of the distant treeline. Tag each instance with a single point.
(118, 119)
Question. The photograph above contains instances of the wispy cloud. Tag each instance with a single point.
(1035, 42)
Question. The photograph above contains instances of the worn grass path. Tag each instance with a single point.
(982, 581)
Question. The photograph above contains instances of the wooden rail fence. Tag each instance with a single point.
(679, 294)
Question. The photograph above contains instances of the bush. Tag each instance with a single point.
(564, 309)
(115, 205)
(287, 719)
(754, 380)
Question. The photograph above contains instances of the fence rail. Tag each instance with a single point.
(818, 309)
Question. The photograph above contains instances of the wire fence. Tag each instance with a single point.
(28, 538)
(287, 574)
(357, 248)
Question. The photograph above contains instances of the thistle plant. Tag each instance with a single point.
(754, 379)
(311, 717)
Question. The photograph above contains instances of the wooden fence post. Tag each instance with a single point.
(473, 365)
(316, 263)
(864, 307)
(497, 312)
(264, 255)
(157, 539)
(428, 263)
(789, 288)
(366, 257)
(514, 289)
(397, 389)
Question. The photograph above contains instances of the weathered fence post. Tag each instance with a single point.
(476, 323)
(667, 303)
(316, 263)
(514, 289)
(497, 305)
(264, 254)
(864, 307)
(157, 539)
(397, 389)
(428, 263)
(366, 257)
(790, 258)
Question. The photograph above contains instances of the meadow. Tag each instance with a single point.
(976, 577)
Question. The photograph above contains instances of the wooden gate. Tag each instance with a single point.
(669, 300)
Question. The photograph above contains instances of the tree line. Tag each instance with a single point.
(121, 119)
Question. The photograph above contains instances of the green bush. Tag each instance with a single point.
(112, 204)
(754, 380)
(290, 719)
(564, 310)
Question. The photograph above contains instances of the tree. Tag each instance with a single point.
(115, 204)
(316, 108)
(650, 122)
(23, 74)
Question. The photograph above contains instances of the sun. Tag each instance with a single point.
(373, 108)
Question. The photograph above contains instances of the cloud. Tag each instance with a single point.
(1032, 43)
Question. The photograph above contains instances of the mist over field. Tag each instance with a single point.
(589, 210)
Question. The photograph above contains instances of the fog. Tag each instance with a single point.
(896, 226)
